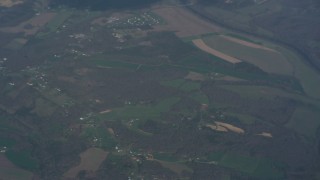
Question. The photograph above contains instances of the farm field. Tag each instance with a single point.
(91, 159)
(183, 22)
(10, 171)
(269, 61)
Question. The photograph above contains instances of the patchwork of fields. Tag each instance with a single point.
(153, 93)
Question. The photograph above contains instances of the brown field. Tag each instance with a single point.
(34, 24)
(91, 159)
(183, 22)
(11, 172)
(194, 76)
(9, 3)
(246, 43)
(201, 45)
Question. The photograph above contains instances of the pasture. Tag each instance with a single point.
(305, 122)
(184, 85)
(142, 111)
(257, 167)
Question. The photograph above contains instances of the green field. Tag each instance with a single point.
(142, 112)
(182, 84)
(200, 97)
(251, 91)
(305, 121)
(261, 168)
(103, 138)
(165, 157)
(22, 159)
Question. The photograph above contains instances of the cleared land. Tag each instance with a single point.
(9, 171)
(183, 22)
(91, 159)
(269, 61)
(246, 43)
(203, 46)
(225, 127)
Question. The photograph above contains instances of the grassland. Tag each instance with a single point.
(256, 167)
(22, 159)
(99, 137)
(305, 121)
(142, 111)
(250, 91)
(183, 85)
(307, 76)
(178, 168)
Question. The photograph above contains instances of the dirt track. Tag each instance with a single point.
(200, 44)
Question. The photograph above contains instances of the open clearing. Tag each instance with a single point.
(202, 45)
(183, 22)
(9, 171)
(91, 159)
